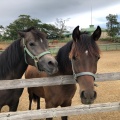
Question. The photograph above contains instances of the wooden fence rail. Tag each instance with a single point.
(49, 81)
(56, 112)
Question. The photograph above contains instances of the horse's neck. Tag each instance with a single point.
(18, 72)
(64, 62)
(11, 68)
(66, 68)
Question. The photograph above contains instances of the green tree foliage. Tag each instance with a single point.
(23, 22)
(1, 27)
(112, 25)
(50, 30)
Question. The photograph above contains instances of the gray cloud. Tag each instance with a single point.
(47, 10)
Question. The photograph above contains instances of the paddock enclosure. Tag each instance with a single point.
(107, 91)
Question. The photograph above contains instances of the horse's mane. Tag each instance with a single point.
(85, 43)
(10, 58)
(36, 32)
(63, 57)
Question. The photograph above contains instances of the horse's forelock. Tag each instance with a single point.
(85, 43)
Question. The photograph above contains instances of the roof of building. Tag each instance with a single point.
(91, 29)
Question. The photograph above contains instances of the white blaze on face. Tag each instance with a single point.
(41, 40)
(86, 52)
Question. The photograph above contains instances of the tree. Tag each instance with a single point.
(1, 27)
(1, 33)
(112, 25)
(60, 23)
(23, 22)
(50, 30)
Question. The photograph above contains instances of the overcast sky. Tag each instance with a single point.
(79, 11)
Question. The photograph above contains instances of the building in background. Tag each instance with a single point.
(91, 29)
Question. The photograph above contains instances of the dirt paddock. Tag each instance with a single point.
(106, 91)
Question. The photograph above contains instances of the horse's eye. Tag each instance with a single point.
(32, 44)
(74, 57)
(98, 57)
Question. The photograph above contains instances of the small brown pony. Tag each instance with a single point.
(29, 49)
(78, 57)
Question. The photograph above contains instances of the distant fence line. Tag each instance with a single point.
(107, 47)
(103, 47)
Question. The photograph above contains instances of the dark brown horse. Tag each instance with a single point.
(78, 57)
(30, 49)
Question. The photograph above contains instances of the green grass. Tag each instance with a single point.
(6, 41)
(54, 50)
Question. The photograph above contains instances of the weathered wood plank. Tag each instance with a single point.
(108, 76)
(49, 81)
(56, 112)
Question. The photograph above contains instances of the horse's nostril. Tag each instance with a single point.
(88, 95)
(50, 63)
(95, 94)
(83, 95)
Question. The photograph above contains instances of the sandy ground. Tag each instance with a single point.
(106, 91)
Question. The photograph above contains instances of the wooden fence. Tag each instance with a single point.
(111, 46)
(55, 112)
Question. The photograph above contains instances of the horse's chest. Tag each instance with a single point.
(68, 90)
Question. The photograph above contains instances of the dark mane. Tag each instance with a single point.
(63, 57)
(86, 42)
(36, 32)
(9, 57)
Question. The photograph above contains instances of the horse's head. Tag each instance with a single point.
(84, 56)
(36, 50)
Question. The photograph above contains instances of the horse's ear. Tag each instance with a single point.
(21, 34)
(76, 34)
(97, 33)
